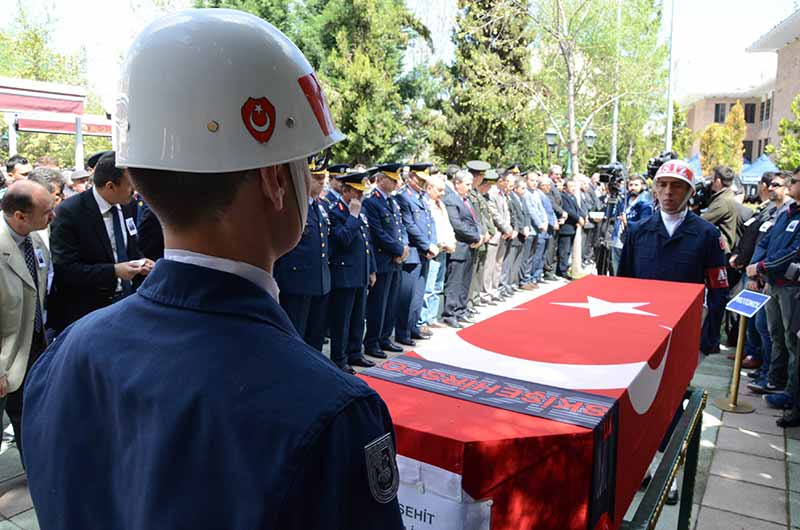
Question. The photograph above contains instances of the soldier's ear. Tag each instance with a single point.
(274, 181)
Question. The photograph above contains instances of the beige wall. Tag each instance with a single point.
(701, 114)
(787, 86)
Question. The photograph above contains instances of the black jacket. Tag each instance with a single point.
(520, 218)
(83, 260)
(570, 205)
(465, 225)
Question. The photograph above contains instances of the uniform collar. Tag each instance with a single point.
(209, 290)
(249, 272)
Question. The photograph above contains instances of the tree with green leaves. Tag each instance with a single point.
(487, 111)
(682, 137)
(579, 44)
(737, 129)
(27, 52)
(787, 154)
(357, 48)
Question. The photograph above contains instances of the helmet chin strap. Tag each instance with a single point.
(301, 175)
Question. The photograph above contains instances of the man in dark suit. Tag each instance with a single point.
(567, 232)
(352, 271)
(523, 224)
(390, 241)
(418, 222)
(93, 240)
(464, 220)
(304, 275)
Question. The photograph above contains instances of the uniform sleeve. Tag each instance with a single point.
(344, 227)
(415, 235)
(348, 478)
(714, 267)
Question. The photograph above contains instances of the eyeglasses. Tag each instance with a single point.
(777, 184)
(795, 180)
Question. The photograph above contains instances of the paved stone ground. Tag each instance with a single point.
(748, 475)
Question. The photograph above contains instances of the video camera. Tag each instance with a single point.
(656, 162)
(702, 194)
(613, 176)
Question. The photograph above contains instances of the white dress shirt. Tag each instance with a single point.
(444, 230)
(106, 211)
(253, 274)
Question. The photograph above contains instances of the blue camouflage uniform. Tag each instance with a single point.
(304, 277)
(195, 404)
(352, 261)
(418, 223)
(389, 238)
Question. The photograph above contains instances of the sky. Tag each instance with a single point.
(710, 36)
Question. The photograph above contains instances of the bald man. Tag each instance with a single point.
(27, 208)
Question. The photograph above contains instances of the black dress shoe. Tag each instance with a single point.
(376, 353)
(789, 420)
(363, 362)
(466, 320)
(672, 498)
(453, 323)
(406, 342)
(391, 346)
(472, 312)
(346, 368)
(421, 336)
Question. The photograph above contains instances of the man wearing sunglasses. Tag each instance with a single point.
(776, 250)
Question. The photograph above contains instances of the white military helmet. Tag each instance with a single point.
(218, 90)
(677, 169)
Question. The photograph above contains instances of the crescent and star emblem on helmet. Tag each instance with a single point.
(258, 115)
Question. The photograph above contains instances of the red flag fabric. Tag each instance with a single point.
(634, 340)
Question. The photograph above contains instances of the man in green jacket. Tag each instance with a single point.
(723, 213)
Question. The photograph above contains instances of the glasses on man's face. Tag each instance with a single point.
(795, 180)
(777, 184)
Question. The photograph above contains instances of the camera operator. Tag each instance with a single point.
(771, 260)
(637, 206)
(722, 212)
(674, 245)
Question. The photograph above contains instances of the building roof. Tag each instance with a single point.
(786, 32)
(752, 92)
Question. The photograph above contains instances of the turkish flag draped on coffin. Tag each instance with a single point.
(632, 340)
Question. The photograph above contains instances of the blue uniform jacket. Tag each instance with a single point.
(195, 404)
(418, 222)
(305, 270)
(386, 230)
(780, 246)
(352, 259)
(693, 254)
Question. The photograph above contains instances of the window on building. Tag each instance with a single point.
(719, 113)
(768, 109)
(761, 112)
(758, 149)
(748, 150)
(750, 114)
(766, 143)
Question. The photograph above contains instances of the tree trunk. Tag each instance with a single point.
(573, 137)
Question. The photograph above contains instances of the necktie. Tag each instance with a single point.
(30, 261)
(471, 211)
(119, 241)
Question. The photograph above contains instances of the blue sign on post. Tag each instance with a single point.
(747, 303)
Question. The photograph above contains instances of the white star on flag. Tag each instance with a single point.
(258, 108)
(599, 308)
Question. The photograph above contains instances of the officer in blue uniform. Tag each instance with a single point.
(334, 191)
(390, 241)
(304, 275)
(199, 404)
(418, 223)
(676, 245)
(352, 271)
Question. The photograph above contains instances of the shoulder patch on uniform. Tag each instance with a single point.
(384, 479)
(341, 208)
